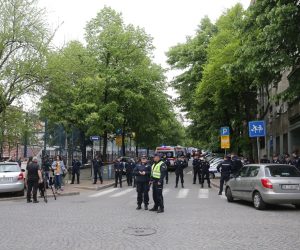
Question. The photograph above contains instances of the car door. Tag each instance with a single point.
(237, 189)
(249, 182)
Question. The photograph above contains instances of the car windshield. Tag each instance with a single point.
(168, 154)
(5, 168)
(282, 171)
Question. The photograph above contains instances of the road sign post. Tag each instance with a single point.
(225, 138)
(257, 129)
(94, 139)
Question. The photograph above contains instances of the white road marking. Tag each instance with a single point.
(126, 191)
(102, 193)
(190, 172)
(203, 193)
(182, 193)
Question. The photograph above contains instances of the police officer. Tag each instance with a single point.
(97, 166)
(296, 160)
(118, 167)
(226, 167)
(180, 164)
(158, 173)
(205, 173)
(197, 168)
(76, 164)
(276, 159)
(264, 159)
(236, 164)
(168, 164)
(129, 171)
(142, 173)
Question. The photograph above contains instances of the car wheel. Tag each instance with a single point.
(258, 202)
(297, 206)
(212, 176)
(229, 195)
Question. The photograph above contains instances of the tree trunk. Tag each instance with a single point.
(136, 150)
(104, 154)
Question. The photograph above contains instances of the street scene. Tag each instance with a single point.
(149, 124)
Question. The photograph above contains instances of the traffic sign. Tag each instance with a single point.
(119, 140)
(95, 138)
(257, 129)
(224, 131)
(225, 141)
(119, 131)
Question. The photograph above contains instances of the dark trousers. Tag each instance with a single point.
(97, 171)
(205, 175)
(197, 172)
(129, 178)
(32, 186)
(224, 178)
(77, 173)
(118, 177)
(158, 195)
(142, 189)
(179, 174)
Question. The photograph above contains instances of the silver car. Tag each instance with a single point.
(265, 184)
(11, 178)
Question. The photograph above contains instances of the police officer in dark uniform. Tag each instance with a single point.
(76, 164)
(276, 159)
(226, 167)
(129, 172)
(236, 164)
(118, 167)
(197, 168)
(296, 160)
(158, 173)
(180, 164)
(205, 173)
(97, 166)
(264, 159)
(142, 173)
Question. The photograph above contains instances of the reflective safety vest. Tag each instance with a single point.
(155, 170)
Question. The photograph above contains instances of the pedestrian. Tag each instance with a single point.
(34, 177)
(205, 173)
(180, 164)
(264, 159)
(158, 173)
(98, 168)
(276, 159)
(226, 167)
(118, 167)
(196, 168)
(76, 164)
(46, 167)
(129, 172)
(59, 168)
(142, 173)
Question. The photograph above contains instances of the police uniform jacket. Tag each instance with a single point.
(205, 167)
(197, 163)
(118, 166)
(180, 165)
(163, 172)
(141, 168)
(97, 163)
(129, 167)
(76, 165)
(226, 167)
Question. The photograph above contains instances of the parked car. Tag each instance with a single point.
(265, 184)
(11, 178)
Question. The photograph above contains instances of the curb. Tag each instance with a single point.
(97, 188)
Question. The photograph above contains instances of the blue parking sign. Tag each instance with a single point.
(224, 131)
(257, 129)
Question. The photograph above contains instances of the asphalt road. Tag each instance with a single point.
(194, 218)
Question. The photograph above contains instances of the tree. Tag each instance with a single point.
(24, 41)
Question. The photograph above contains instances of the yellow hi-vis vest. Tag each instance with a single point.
(155, 170)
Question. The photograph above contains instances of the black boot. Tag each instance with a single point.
(209, 186)
(201, 185)
(138, 207)
(154, 209)
(146, 207)
(182, 185)
(161, 210)
(176, 186)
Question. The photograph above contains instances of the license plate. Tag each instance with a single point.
(6, 179)
(290, 187)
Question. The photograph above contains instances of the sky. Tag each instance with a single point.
(167, 21)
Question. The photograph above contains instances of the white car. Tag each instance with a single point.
(11, 178)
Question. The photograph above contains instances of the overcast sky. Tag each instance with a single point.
(167, 21)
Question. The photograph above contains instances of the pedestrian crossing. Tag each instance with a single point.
(182, 193)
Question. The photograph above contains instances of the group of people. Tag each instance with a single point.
(201, 170)
(284, 159)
